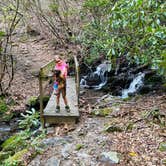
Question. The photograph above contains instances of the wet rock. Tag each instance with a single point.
(82, 92)
(5, 128)
(82, 132)
(68, 163)
(146, 89)
(36, 162)
(50, 130)
(37, 132)
(83, 155)
(66, 151)
(110, 157)
(84, 159)
(162, 147)
(57, 141)
(28, 63)
(10, 101)
(4, 132)
(35, 72)
(52, 162)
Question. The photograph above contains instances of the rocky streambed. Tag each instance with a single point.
(111, 132)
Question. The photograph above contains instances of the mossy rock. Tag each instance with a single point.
(102, 112)
(16, 142)
(9, 141)
(113, 128)
(34, 102)
(162, 147)
(79, 146)
(16, 159)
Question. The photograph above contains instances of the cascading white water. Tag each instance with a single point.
(134, 85)
(100, 74)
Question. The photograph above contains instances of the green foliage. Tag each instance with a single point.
(79, 146)
(3, 107)
(102, 112)
(162, 147)
(16, 142)
(14, 148)
(53, 7)
(134, 29)
(4, 155)
(32, 101)
(2, 33)
(162, 63)
(31, 119)
(16, 159)
(5, 114)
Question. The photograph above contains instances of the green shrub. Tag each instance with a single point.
(31, 119)
(3, 107)
(133, 29)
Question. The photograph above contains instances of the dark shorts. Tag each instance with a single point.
(63, 91)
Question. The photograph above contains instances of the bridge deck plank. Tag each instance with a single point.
(50, 115)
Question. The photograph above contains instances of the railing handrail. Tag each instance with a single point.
(47, 64)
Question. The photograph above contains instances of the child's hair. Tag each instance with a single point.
(58, 57)
(57, 73)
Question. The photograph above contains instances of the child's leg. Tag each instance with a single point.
(57, 103)
(67, 108)
(64, 96)
(57, 99)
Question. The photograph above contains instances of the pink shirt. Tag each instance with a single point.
(62, 67)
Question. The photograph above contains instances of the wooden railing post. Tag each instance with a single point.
(77, 77)
(41, 97)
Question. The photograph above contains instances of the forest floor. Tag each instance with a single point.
(110, 130)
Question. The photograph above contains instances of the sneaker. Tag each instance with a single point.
(67, 108)
(57, 108)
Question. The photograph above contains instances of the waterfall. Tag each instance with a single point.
(97, 79)
(135, 85)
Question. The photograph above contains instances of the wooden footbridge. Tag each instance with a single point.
(48, 114)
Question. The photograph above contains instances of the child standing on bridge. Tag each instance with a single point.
(60, 77)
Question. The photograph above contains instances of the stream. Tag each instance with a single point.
(100, 77)
(7, 129)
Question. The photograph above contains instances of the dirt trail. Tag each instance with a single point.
(32, 55)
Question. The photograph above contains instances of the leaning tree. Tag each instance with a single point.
(10, 17)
